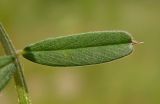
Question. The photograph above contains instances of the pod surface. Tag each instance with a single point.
(80, 49)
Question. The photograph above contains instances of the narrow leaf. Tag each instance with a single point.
(81, 49)
(7, 68)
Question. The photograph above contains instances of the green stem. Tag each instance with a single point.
(20, 83)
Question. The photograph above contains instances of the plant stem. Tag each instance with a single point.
(21, 87)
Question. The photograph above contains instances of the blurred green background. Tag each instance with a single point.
(132, 80)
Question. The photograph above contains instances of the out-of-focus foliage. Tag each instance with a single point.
(132, 80)
(7, 68)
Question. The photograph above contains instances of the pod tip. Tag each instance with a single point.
(136, 42)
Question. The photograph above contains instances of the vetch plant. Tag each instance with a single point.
(74, 50)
